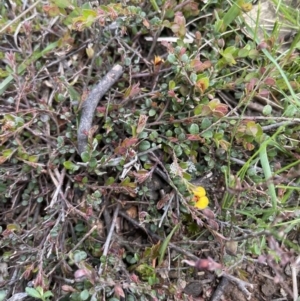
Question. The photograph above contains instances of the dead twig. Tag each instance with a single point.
(242, 285)
(89, 106)
(219, 292)
(295, 269)
(109, 236)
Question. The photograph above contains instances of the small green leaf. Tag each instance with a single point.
(63, 3)
(110, 181)
(251, 75)
(85, 156)
(172, 58)
(172, 85)
(178, 150)
(267, 110)
(89, 13)
(48, 294)
(74, 95)
(194, 129)
(152, 113)
(290, 111)
(184, 58)
(84, 295)
(32, 292)
(253, 54)
(144, 145)
(205, 123)
(70, 166)
(186, 176)
(207, 134)
(33, 159)
(79, 256)
(93, 162)
(198, 109)
(243, 52)
(7, 152)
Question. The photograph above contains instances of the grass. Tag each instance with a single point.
(216, 117)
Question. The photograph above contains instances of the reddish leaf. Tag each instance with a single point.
(134, 278)
(131, 91)
(270, 81)
(264, 93)
(101, 109)
(172, 139)
(193, 137)
(128, 142)
(208, 213)
(171, 93)
(251, 85)
(178, 26)
(68, 288)
(220, 110)
(213, 224)
(119, 291)
(263, 45)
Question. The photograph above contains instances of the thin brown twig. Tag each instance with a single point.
(157, 34)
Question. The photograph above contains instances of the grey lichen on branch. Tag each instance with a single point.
(90, 104)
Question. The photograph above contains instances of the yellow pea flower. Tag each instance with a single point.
(200, 198)
(202, 202)
(199, 192)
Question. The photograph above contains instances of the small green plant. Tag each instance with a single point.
(38, 293)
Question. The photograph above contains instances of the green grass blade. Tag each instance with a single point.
(294, 99)
(164, 245)
(268, 173)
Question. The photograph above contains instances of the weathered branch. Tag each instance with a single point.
(89, 106)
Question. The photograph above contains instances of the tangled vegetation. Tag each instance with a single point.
(181, 183)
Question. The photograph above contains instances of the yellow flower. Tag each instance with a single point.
(158, 60)
(202, 202)
(200, 198)
(199, 192)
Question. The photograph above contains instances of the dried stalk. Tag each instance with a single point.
(89, 106)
